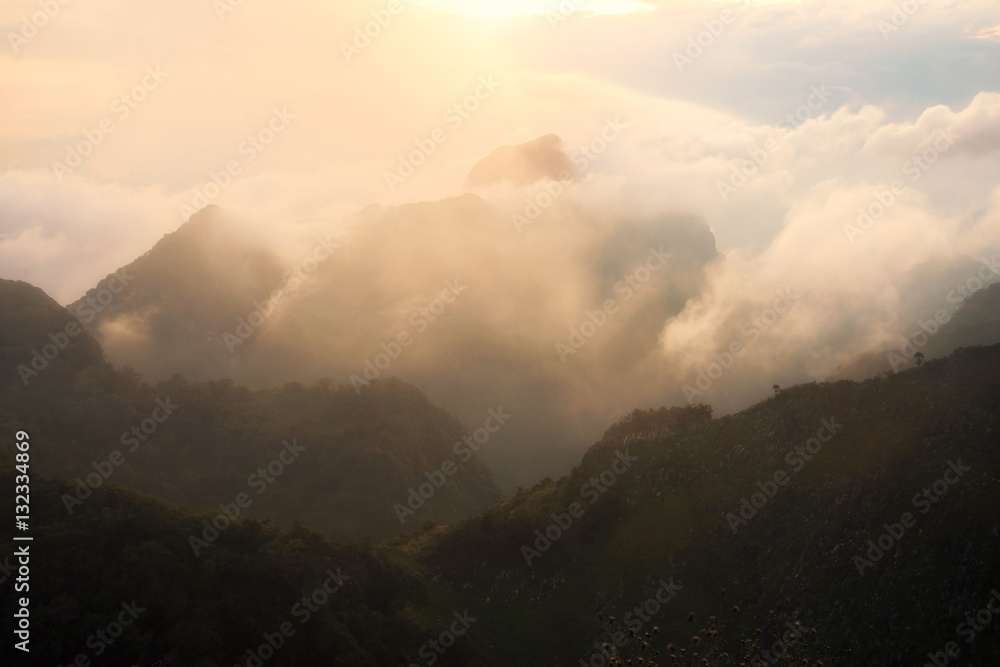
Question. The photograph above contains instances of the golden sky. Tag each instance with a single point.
(167, 97)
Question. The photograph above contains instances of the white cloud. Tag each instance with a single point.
(687, 131)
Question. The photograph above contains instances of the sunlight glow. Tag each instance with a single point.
(502, 8)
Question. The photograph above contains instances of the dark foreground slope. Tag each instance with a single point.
(882, 539)
(863, 511)
(117, 583)
(336, 460)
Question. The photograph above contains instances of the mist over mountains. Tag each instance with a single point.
(564, 317)
(558, 324)
(384, 387)
(345, 462)
(493, 333)
(727, 522)
(393, 376)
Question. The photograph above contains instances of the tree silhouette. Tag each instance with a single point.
(919, 357)
(776, 389)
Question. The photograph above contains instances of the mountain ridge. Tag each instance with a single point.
(200, 443)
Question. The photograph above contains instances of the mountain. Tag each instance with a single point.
(339, 461)
(159, 313)
(524, 164)
(838, 522)
(863, 512)
(972, 317)
(117, 583)
(41, 345)
(559, 324)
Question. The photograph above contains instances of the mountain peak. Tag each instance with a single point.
(523, 164)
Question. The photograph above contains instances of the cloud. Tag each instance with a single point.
(63, 236)
(692, 149)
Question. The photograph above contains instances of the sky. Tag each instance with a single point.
(120, 119)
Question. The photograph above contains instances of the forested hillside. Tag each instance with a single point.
(817, 512)
(336, 460)
(865, 511)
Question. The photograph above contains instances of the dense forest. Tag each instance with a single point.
(678, 537)
(355, 454)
